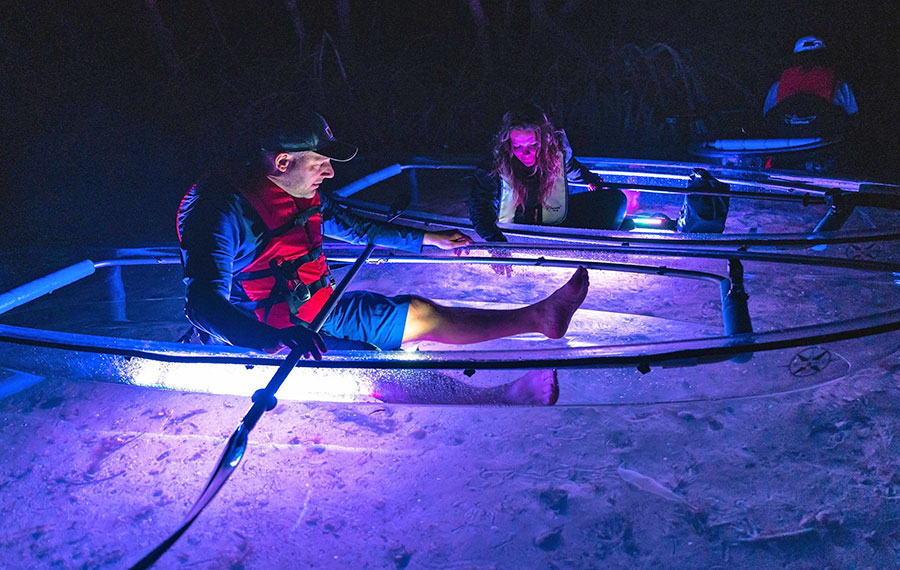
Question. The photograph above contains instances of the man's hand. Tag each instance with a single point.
(447, 239)
(308, 341)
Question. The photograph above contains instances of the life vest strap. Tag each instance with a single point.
(300, 220)
(287, 268)
(295, 297)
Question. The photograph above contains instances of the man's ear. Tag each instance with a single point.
(282, 161)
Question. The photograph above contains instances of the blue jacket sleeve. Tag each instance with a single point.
(339, 223)
(484, 203)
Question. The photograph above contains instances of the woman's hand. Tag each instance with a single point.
(447, 239)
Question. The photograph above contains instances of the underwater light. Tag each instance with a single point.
(659, 223)
(649, 221)
(307, 384)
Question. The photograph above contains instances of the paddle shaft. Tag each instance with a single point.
(263, 401)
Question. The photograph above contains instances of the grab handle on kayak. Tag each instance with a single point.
(839, 209)
(735, 313)
(735, 318)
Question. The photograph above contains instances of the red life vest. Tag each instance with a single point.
(289, 280)
(817, 80)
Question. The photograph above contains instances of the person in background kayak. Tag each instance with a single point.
(811, 73)
(255, 274)
(527, 181)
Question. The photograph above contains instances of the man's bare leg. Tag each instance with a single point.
(427, 320)
(535, 388)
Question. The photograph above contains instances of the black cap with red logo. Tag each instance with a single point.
(302, 130)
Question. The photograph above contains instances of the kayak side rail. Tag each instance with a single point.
(369, 180)
(45, 285)
(663, 271)
(687, 352)
(579, 237)
(629, 169)
(785, 189)
(739, 342)
(879, 196)
(389, 172)
(123, 261)
(775, 179)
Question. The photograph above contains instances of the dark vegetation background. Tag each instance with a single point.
(111, 108)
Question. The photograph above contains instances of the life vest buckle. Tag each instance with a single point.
(300, 293)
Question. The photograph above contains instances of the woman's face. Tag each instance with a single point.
(524, 145)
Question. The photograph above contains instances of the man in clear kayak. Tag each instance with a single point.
(809, 99)
(527, 181)
(255, 274)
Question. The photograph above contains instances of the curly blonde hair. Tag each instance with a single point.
(528, 117)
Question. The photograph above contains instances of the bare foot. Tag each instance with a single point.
(555, 312)
(536, 388)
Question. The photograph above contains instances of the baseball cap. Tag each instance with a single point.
(808, 43)
(302, 130)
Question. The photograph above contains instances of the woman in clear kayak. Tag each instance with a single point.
(527, 182)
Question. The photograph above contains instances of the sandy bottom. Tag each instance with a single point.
(95, 474)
